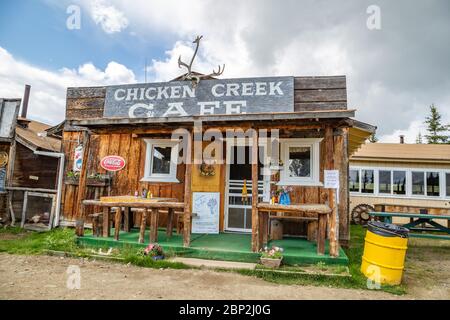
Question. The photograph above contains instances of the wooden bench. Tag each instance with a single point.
(310, 212)
(417, 219)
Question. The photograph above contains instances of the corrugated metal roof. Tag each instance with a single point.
(403, 152)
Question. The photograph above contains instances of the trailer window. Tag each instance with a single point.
(433, 184)
(399, 182)
(447, 184)
(354, 180)
(418, 183)
(384, 181)
(367, 181)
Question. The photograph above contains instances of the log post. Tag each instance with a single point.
(142, 227)
(169, 228)
(117, 221)
(321, 233)
(255, 219)
(127, 219)
(82, 190)
(154, 225)
(106, 222)
(187, 193)
(332, 221)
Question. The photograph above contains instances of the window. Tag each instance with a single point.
(367, 181)
(399, 182)
(421, 179)
(353, 180)
(433, 184)
(384, 181)
(447, 184)
(300, 161)
(161, 160)
(418, 183)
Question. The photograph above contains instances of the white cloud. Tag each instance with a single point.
(48, 89)
(108, 17)
(410, 133)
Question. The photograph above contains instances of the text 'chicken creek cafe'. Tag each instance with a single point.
(235, 96)
(214, 168)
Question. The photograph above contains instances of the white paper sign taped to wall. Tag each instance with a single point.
(331, 179)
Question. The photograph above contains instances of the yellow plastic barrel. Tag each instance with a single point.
(384, 253)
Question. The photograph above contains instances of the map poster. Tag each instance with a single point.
(205, 212)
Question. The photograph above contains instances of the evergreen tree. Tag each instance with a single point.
(419, 139)
(373, 138)
(436, 131)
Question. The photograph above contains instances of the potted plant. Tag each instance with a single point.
(154, 251)
(271, 257)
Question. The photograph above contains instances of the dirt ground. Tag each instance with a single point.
(45, 277)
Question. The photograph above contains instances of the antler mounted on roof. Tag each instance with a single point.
(193, 77)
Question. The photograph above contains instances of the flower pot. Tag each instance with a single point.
(271, 263)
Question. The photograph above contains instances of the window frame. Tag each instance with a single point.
(314, 178)
(160, 177)
(408, 175)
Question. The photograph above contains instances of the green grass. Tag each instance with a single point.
(356, 281)
(18, 241)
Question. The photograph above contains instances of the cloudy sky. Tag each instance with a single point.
(393, 73)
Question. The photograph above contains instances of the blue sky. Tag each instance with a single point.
(398, 69)
(35, 31)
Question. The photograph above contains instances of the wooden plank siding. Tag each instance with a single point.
(310, 94)
(124, 182)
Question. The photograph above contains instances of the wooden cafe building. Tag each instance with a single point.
(175, 163)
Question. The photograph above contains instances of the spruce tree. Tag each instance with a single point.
(436, 130)
(419, 139)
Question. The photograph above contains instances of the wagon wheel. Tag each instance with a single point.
(360, 213)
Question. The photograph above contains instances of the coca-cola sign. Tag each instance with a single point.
(112, 163)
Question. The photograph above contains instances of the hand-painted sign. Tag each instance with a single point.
(209, 97)
(78, 158)
(112, 163)
(205, 211)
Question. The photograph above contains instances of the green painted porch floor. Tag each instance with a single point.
(223, 246)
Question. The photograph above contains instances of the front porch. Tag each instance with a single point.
(222, 246)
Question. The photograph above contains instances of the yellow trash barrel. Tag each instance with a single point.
(384, 252)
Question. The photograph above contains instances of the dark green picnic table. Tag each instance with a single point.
(418, 223)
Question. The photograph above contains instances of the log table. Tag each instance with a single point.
(318, 212)
(151, 205)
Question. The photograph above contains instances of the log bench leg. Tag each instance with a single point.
(154, 226)
(117, 223)
(312, 231)
(321, 234)
(106, 222)
(142, 228)
(126, 219)
(169, 228)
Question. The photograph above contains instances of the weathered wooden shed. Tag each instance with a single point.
(306, 116)
(34, 184)
(9, 110)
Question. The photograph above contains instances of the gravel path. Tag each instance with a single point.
(45, 277)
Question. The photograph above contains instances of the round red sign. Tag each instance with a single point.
(112, 163)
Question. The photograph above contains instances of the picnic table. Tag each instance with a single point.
(416, 220)
(148, 205)
(312, 212)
